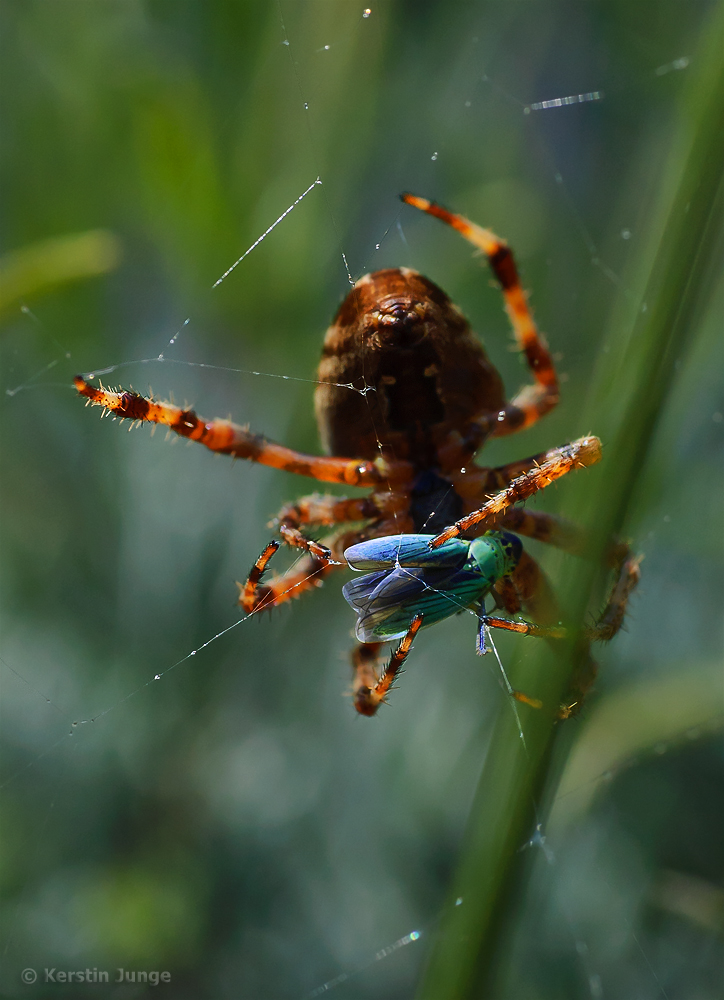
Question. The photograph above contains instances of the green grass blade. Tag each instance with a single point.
(627, 400)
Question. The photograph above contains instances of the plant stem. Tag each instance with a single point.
(470, 950)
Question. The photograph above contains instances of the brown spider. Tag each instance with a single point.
(427, 399)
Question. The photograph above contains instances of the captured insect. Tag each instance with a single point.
(411, 578)
(415, 586)
(406, 397)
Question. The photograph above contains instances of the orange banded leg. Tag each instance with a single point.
(328, 510)
(605, 628)
(296, 540)
(340, 541)
(370, 692)
(228, 438)
(251, 596)
(305, 575)
(526, 628)
(553, 529)
(532, 590)
(533, 401)
(611, 619)
(320, 559)
(586, 451)
(474, 483)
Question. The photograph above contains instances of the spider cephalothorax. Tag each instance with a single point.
(406, 397)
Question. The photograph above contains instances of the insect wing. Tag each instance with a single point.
(387, 602)
(386, 614)
(406, 550)
(358, 593)
(384, 602)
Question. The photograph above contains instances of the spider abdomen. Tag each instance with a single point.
(419, 369)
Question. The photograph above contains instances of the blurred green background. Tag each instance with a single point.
(234, 822)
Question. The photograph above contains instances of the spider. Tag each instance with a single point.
(406, 397)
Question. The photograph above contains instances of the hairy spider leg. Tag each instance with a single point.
(310, 571)
(248, 592)
(549, 528)
(368, 691)
(528, 586)
(611, 618)
(544, 468)
(228, 438)
(477, 483)
(604, 628)
(388, 505)
(577, 455)
(533, 401)
(474, 480)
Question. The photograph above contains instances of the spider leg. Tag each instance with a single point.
(386, 510)
(381, 505)
(628, 574)
(230, 439)
(474, 484)
(533, 401)
(529, 587)
(586, 451)
(305, 575)
(370, 692)
(475, 480)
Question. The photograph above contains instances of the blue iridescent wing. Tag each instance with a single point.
(406, 550)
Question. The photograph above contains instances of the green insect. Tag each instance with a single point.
(411, 580)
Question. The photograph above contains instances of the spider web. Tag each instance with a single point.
(259, 777)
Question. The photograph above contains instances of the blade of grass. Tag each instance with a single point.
(25, 274)
(469, 951)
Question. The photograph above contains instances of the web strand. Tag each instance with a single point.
(263, 236)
